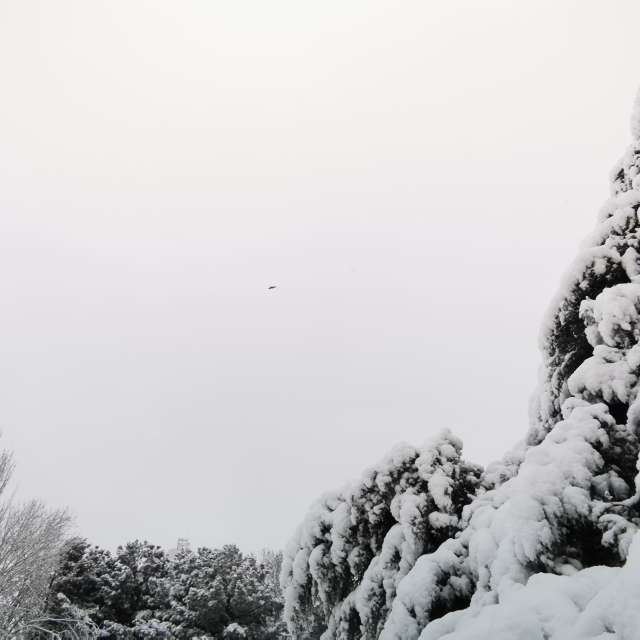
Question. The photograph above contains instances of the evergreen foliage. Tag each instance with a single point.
(140, 592)
(536, 545)
(343, 566)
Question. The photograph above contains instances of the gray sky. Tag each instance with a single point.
(413, 176)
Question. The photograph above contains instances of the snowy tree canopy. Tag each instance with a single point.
(540, 545)
(347, 558)
(140, 592)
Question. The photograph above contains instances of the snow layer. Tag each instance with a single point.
(519, 529)
(598, 603)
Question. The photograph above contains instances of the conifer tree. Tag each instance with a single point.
(139, 592)
(342, 568)
(544, 543)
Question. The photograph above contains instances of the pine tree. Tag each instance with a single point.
(118, 594)
(221, 592)
(546, 546)
(139, 592)
(142, 581)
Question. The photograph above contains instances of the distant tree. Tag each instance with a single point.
(212, 590)
(139, 592)
(85, 581)
(114, 592)
(30, 538)
(142, 581)
(272, 562)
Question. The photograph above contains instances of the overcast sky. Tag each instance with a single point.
(413, 176)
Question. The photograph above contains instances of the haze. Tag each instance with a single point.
(414, 177)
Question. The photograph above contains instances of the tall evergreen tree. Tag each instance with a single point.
(548, 541)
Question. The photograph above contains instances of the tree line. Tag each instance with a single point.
(140, 591)
(53, 586)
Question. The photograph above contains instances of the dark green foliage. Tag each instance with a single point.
(139, 592)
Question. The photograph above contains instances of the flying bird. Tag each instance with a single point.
(273, 286)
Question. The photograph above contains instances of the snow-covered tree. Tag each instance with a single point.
(82, 586)
(139, 592)
(343, 566)
(30, 538)
(544, 539)
(222, 593)
(142, 582)
(119, 594)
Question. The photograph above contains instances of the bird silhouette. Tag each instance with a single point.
(273, 286)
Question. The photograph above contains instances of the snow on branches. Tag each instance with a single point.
(539, 545)
(343, 565)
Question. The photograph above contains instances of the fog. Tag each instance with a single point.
(413, 177)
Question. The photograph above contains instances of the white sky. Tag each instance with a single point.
(414, 176)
